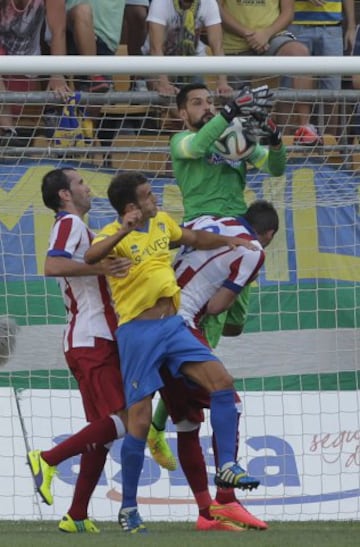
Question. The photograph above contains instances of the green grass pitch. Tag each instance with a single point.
(175, 534)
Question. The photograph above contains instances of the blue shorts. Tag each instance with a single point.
(146, 345)
(323, 41)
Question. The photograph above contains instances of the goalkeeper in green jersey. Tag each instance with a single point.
(212, 185)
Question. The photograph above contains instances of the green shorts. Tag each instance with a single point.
(213, 325)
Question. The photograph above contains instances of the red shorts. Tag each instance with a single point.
(97, 372)
(184, 399)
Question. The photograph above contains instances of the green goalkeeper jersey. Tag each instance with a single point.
(209, 184)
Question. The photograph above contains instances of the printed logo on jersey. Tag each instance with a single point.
(161, 226)
(156, 246)
(216, 159)
(160, 244)
(134, 249)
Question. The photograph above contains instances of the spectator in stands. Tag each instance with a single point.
(94, 28)
(356, 51)
(135, 18)
(21, 23)
(174, 29)
(318, 24)
(261, 29)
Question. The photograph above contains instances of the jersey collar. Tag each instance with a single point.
(248, 226)
(61, 214)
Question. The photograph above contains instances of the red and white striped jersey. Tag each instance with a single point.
(87, 300)
(201, 273)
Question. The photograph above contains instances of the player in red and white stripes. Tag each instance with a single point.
(210, 282)
(89, 346)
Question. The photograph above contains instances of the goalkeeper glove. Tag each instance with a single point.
(267, 128)
(247, 102)
(271, 132)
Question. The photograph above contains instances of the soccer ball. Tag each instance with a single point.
(233, 143)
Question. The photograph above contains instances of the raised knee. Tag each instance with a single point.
(81, 12)
(226, 381)
(292, 49)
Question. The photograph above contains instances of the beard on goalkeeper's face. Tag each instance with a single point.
(198, 124)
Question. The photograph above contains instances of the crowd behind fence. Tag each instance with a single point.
(148, 113)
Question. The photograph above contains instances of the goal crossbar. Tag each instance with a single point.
(150, 97)
(178, 65)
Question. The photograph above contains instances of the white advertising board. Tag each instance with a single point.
(303, 446)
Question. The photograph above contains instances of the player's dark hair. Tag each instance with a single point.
(182, 96)
(123, 190)
(262, 217)
(52, 183)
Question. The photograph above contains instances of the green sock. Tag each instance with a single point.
(160, 416)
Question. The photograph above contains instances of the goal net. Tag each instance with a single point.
(297, 363)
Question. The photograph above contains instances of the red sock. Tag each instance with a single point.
(96, 434)
(192, 461)
(91, 466)
(225, 495)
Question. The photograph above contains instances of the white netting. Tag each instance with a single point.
(298, 361)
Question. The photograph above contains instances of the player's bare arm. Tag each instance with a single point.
(221, 301)
(224, 297)
(103, 248)
(59, 266)
(287, 8)
(203, 240)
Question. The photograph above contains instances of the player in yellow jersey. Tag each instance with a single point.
(151, 334)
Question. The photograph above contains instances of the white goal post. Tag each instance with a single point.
(297, 365)
(140, 65)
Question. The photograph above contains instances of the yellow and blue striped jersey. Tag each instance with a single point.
(329, 13)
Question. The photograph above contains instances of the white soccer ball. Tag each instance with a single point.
(233, 143)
